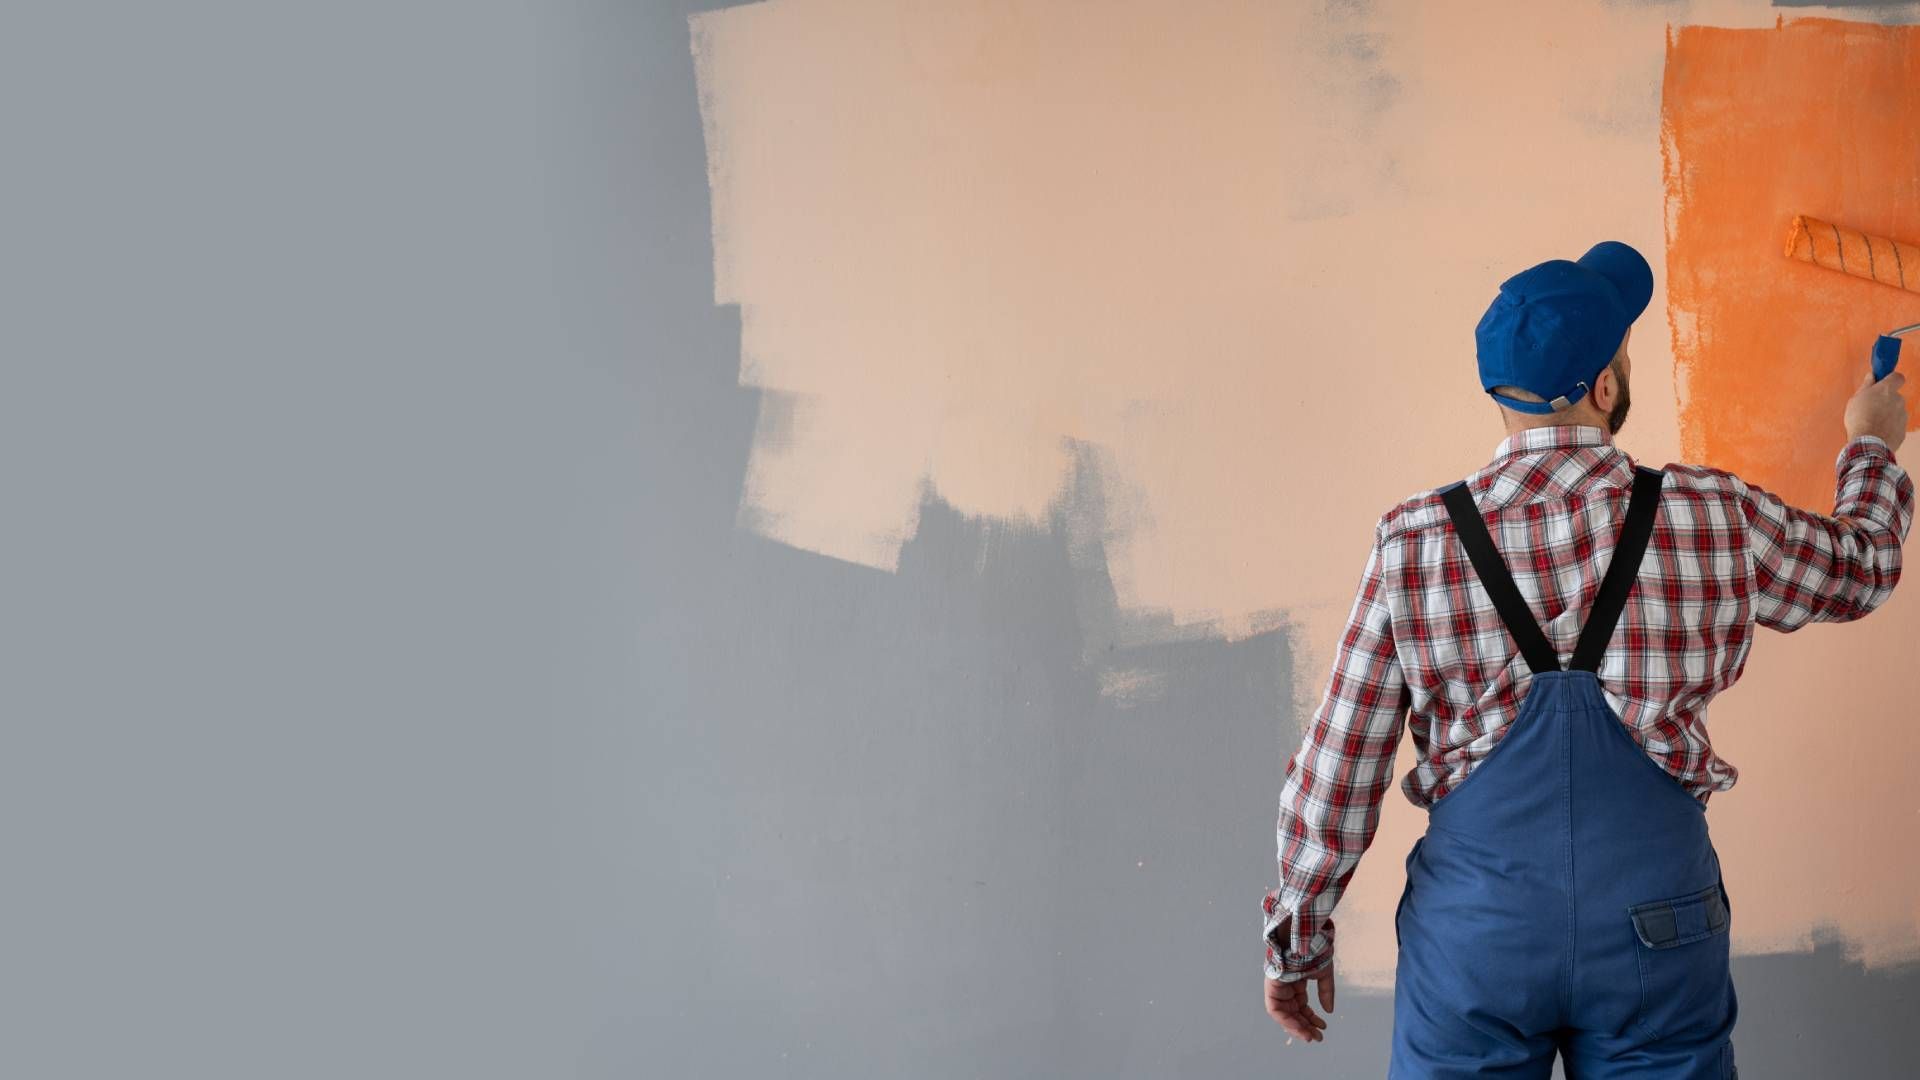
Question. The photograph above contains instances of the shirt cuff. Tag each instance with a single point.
(1860, 446)
(1282, 964)
(1278, 972)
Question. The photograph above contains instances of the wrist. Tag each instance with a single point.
(1867, 438)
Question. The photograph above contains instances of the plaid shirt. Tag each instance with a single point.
(1423, 637)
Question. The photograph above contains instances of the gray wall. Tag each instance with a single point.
(388, 693)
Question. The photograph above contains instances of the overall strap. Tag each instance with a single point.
(1493, 572)
(1621, 571)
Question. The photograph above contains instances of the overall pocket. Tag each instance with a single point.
(1685, 980)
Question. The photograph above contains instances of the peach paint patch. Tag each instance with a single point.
(1817, 117)
(1240, 247)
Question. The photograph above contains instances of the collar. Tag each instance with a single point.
(1553, 437)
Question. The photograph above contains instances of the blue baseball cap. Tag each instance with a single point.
(1554, 327)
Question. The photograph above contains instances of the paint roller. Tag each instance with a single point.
(1875, 258)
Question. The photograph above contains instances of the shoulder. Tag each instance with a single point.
(1701, 478)
(1423, 510)
(1703, 490)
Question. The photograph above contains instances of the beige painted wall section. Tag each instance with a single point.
(1241, 247)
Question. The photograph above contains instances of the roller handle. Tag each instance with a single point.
(1886, 353)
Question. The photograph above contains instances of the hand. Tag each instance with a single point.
(1876, 408)
(1287, 1004)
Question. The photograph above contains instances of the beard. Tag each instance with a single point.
(1618, 414)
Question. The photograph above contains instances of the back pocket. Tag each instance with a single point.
(1685, 983)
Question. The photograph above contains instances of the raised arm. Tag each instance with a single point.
(1813, 567)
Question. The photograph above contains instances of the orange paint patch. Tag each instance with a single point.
(1814, 117)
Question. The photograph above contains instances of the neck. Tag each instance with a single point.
(1583, 418)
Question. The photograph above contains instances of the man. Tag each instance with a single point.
(1566, 897)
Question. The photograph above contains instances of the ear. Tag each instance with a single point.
(1605, 389)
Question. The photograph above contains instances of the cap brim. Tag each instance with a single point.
(1628, 272)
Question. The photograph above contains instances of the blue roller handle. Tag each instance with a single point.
(1886, 353)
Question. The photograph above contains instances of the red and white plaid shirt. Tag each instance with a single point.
(1423, 637)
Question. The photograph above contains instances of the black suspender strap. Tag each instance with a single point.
(1498, 581)
(1621, 571)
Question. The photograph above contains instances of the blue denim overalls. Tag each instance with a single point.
(1565, 895)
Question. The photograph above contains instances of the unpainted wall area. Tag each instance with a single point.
(395, 694)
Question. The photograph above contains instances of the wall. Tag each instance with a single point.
(458, 629)
(1219, 246)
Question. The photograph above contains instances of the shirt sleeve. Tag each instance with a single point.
(1335, 781)
(1812, 567)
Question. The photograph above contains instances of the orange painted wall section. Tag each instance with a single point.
(1817, 117)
